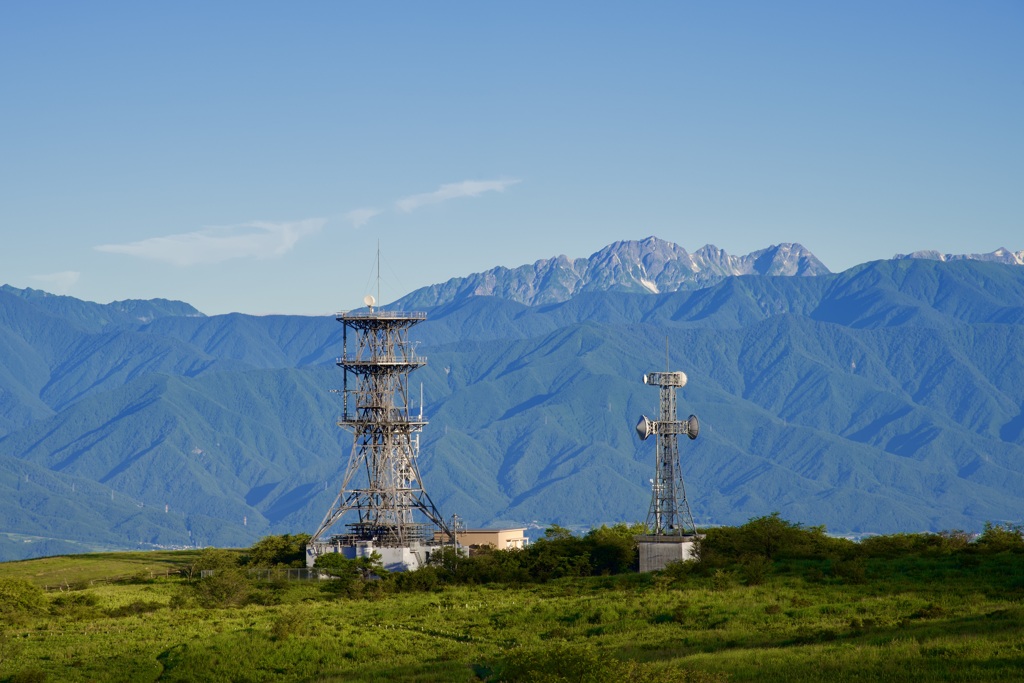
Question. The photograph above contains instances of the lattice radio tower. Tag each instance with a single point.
(385, 435)
(669, 514)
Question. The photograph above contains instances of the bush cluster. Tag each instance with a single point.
(752, 550)
(769, 538)
(559, 553)
(748, 553)
(998, 538)
(602, 551)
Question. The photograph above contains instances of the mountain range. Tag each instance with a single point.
(647, 266)
(889, 397)
(1000, 255)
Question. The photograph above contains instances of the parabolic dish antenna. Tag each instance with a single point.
(644, 427)
(369, 300)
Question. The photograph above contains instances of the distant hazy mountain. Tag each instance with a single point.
(889, 397)
(647, 266)
(95, 316)
(1001, 255)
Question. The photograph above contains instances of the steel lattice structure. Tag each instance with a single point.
(385, 436)
(669, 514)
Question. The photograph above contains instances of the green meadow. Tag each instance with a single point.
(768, 601)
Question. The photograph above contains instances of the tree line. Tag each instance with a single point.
(746, 553)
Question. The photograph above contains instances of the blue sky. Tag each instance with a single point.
(250, 156)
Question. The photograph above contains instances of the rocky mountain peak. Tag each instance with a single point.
(1000, 255)
(651, 265)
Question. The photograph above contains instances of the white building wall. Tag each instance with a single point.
(394, 559)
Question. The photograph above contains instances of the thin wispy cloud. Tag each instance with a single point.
(467, 188)
(256, 240)
(58, 283)
(359, 217)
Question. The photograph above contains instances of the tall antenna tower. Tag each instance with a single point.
(669, 514)
(382, 483)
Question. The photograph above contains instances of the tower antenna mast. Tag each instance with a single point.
(669, 514)
(382, 486)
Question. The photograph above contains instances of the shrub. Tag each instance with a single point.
(899, 545)
(337, 566)
(613, 550)
(179, 601)
(770, 537)
(423, 579)
(294, 621)
(558, 554)
(954, 540)
(561, 662)
(892, 545)
(454, 566)
(76, 605)
(340, 567)
(75, 600)
(722, 580)
(997, 538)
(505, 566)
(225, 588)
(30, 675)
(10, 646)
(211, 559)
(851, 571)
(265, 596)
(20, 596)
(676, 573)
(754, 569)
(135, 608)
(931, 611)
(557, 662)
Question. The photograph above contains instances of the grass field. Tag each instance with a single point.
(942, 618)
(68, 571)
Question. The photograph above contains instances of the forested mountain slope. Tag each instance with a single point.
(886, 398)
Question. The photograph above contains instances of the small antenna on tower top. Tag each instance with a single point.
(667, 368)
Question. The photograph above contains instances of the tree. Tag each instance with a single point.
(211, 558)
(452, 561)
(337, 566)
(998, 538)
(340, 567)
(274, 551)
(227, 587)
(558, 554)
(613, 550)
(770, 537)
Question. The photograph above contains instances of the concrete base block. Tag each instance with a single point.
(657, 551)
